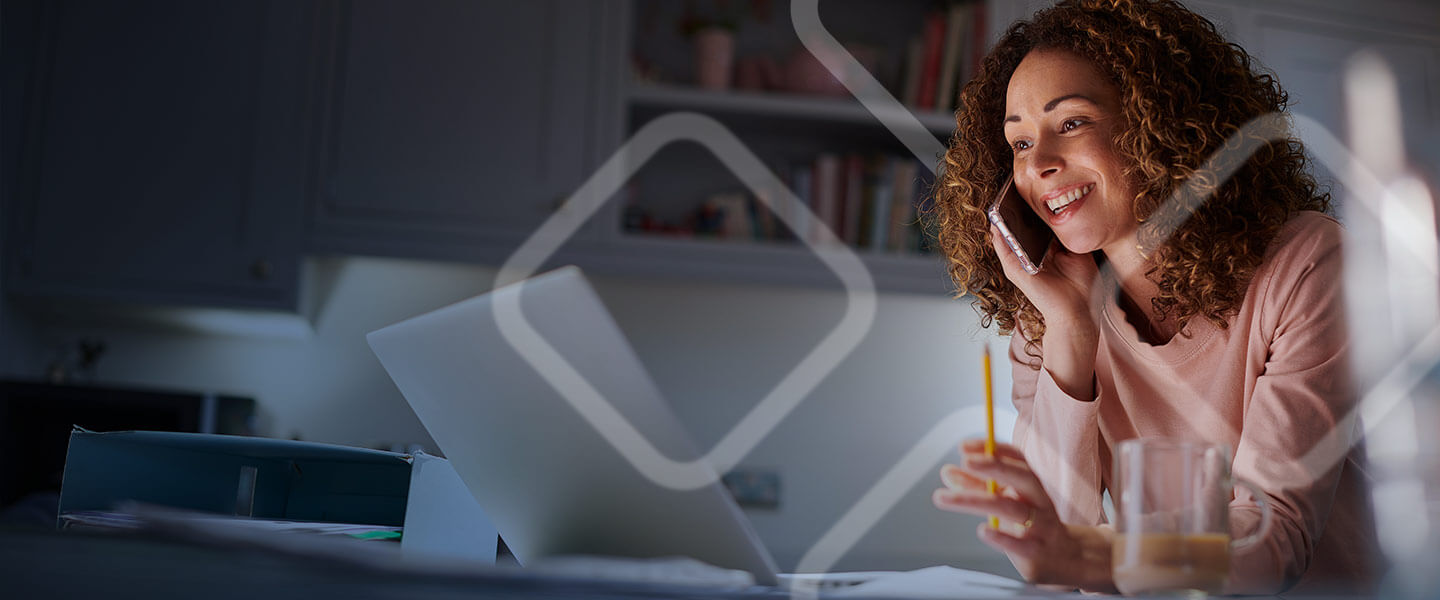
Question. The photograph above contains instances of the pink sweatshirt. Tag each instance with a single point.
(1273, 387)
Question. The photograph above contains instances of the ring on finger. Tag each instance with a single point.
(1030, 521)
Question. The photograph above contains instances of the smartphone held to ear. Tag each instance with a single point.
(1024, 232)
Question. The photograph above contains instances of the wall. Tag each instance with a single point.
(714, 351)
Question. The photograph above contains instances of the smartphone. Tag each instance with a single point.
(1025, 232)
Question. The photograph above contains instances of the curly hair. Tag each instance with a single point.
(1183, 91)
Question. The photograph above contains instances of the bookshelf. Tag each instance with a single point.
(679, 212)
(770, 105)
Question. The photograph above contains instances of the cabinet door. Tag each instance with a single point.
(455, 127)
(164, 158)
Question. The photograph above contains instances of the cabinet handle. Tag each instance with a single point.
(260, 269)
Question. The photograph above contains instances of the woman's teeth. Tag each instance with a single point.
(1058, 203)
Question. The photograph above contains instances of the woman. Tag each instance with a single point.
(1228, 330)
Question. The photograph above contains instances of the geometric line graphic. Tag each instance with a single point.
(805, 15)
(838, 343)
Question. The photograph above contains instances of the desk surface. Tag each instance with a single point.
(62, 565)
(74, 565)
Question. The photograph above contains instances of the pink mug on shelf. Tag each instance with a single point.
(806, 74)
(714, 57)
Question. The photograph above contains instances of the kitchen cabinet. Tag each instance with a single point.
(451, 129)
(186, 152)
(163, 153)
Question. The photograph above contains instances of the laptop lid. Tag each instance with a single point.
(548, 479)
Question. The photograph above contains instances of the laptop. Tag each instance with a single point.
(547, 478)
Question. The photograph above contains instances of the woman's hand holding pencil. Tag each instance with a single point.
(995, 481)
(968, 488)
(1029, 531)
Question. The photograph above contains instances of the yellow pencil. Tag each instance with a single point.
(989, 425)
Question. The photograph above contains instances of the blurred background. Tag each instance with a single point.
(206, 205)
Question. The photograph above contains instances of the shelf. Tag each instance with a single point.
(769, 104)
(751, 262)
(783, 129)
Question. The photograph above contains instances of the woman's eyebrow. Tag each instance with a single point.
(1049, 106)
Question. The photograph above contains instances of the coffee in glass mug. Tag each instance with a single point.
(1172, 530)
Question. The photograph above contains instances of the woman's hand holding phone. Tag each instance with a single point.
(1061, 292)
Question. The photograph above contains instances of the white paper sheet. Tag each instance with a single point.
(944, 582)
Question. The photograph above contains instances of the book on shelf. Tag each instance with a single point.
(957, 34)
(910, 87)
(933, 40)
(801, 182)
(943, 56)
(880, 200)
(902, 207)
(735, 221)
(869, 202)
(826, 198)
(766, 225)
(977, 42)
(854, 198)
(871, 180)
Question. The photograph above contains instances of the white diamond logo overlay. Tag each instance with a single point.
(842, 339)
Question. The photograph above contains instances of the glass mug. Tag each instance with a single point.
(1172, 530)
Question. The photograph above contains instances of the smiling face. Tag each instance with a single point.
(1061, 117)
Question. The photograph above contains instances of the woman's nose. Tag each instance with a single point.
(1045, 160)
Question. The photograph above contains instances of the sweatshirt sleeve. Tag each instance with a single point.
(1060, 437)
(1296, 435)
